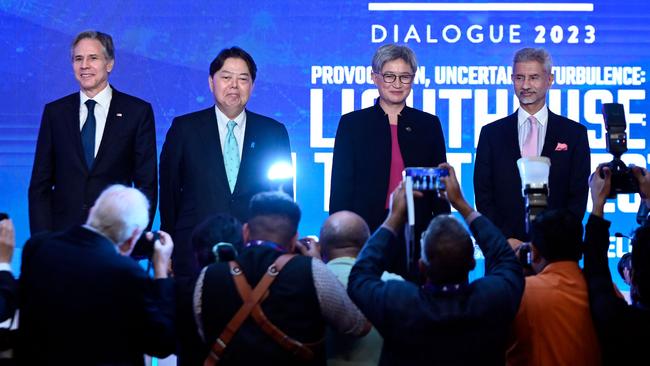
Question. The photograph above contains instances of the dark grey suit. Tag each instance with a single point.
(62, 188)
(193, 182)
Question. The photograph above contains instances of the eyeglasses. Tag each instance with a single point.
(390, 78)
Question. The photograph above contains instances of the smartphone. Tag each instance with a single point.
(426, 179)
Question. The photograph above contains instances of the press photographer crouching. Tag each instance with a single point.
(448, 320)
(613, 317)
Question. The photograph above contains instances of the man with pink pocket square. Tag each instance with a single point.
(531, 131)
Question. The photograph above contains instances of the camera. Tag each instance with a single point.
(533, 172)
(426, 179)
(144, 247)
(623, 181)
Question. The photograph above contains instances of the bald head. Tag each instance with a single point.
(343, 234)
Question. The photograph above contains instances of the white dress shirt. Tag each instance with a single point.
(103, 99)
(523, 127)
(238, 131)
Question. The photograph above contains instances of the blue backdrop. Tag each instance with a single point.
(313, 57)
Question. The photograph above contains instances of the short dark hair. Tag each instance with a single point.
(557, 235)
(105, 39)
(641, 263)
(447, 251)
(233, 52)
(214, 229)
(273, 215)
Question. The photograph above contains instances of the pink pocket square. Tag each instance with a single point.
(561, 147)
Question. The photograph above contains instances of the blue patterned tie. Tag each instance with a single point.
(231, 156)
(88, 134)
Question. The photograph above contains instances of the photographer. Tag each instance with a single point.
(287, 326)
(554, 325)
(448, 320)
(613, 317)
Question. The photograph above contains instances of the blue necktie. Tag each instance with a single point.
(231, 156)
(88, 134)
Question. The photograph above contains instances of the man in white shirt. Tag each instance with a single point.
(89, 140)
(214, 160)
(531, 131)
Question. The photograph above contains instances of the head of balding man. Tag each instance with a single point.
(343, 235)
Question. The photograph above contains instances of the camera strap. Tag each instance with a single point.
(251, 307)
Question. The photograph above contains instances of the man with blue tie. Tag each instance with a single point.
(532, 131)
(215, 160)
(89, 140)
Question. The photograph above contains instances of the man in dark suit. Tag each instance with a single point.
(78, 153)
(533, 130)
(448, 320)
(83, 301)
(375, 144)
(216, 159)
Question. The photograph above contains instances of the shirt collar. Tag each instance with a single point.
(541, 116)
(103, 98)
(222, 119)
(342, 260)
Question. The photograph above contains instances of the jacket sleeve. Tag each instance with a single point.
(145, 176)
(365, 285)
(342, 189)
(170, 181)
(42, 180)
(501, 264)
(579, 176)
(607, 309)
(483, 187)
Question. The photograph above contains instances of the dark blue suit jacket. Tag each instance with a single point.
(422, 326)
(62, 188)
(193, 182)
(82, 303)
(497, 185)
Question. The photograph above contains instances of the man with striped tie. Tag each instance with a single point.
(531, 131)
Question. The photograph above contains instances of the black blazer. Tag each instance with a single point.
(362, 156)
(193, 181)
(497, 185)
(82, 303)
(62, 188)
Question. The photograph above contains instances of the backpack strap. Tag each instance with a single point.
(249, 303)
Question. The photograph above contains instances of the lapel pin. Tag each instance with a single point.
(119, 114)
(253, 145)
(408, 129)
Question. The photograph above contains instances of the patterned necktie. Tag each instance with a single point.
(530, 144)
(231, 156)
(88, 134)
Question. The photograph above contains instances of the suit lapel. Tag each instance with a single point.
(72, 125)
(115, 113)
(512, 135)
(551, 137)
(210, 138)
(250, 139)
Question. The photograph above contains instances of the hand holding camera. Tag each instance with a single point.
(162, 252)
(309, 246)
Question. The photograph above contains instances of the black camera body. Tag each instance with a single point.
(623, 181)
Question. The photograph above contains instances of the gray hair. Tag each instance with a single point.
(390, 52)
(118, 212)
(534, 54)
(103, 38)
(447, 250)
